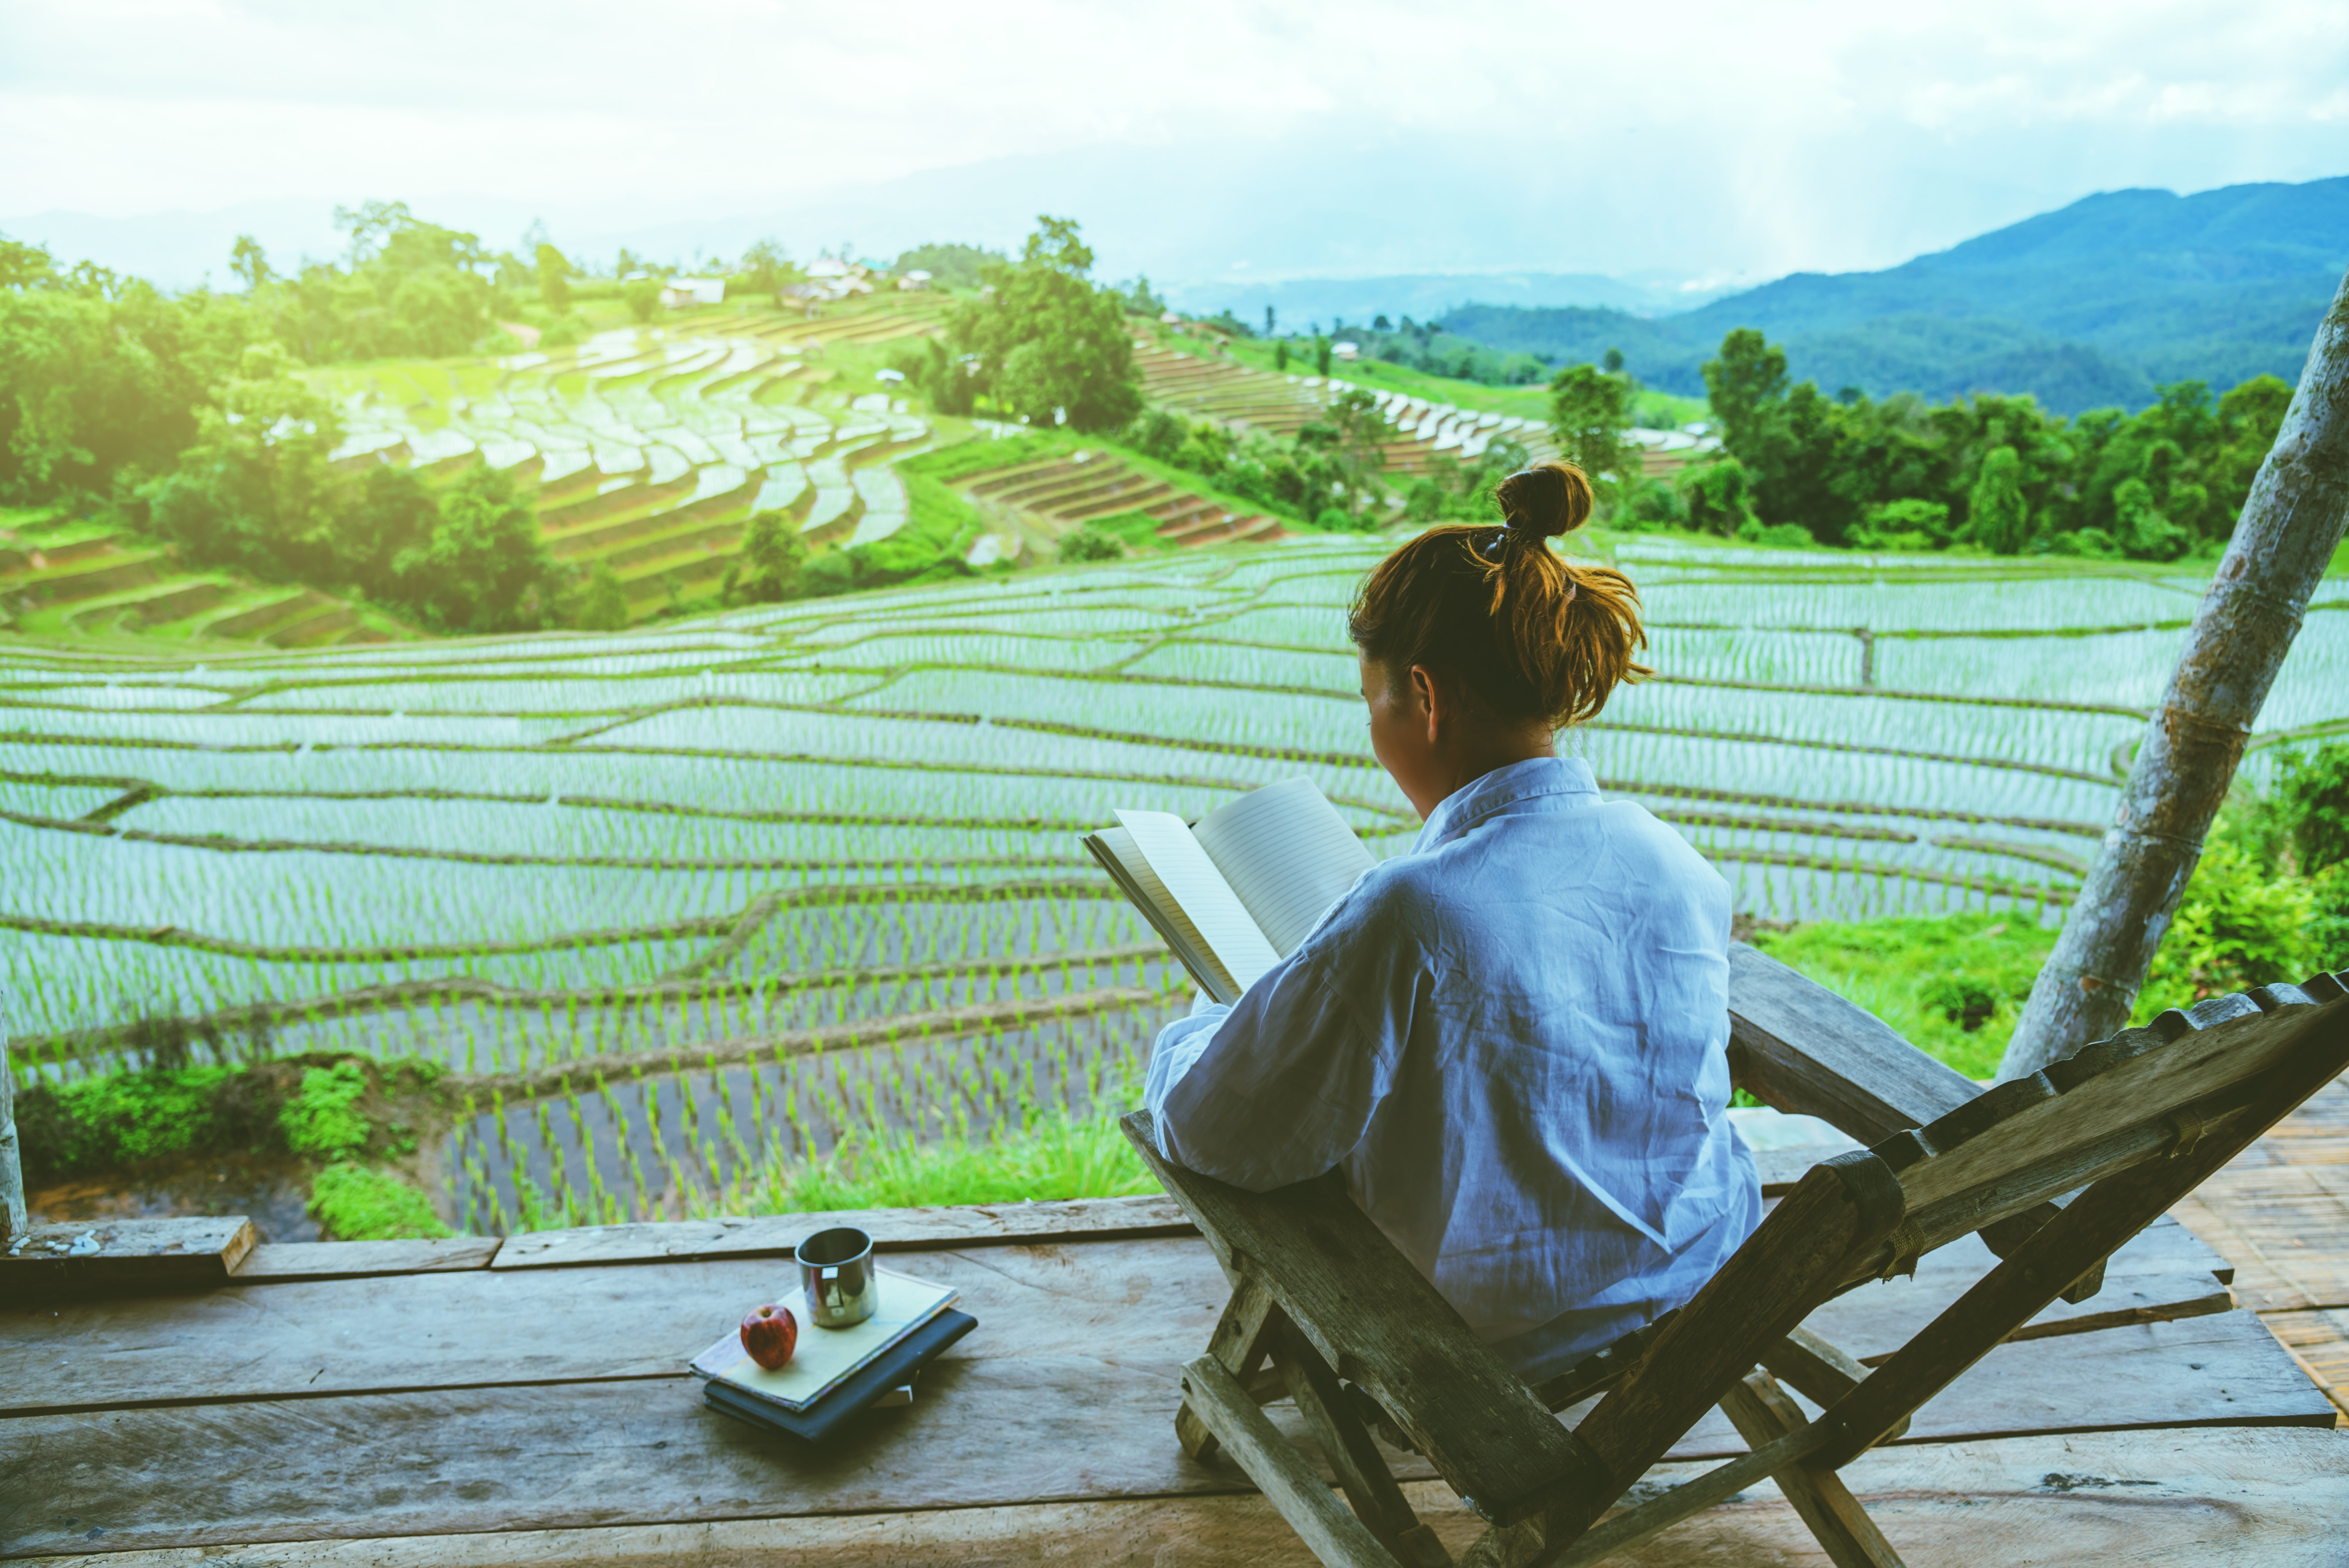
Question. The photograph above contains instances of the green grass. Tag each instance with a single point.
(1059, 1155)
(356, 1202)
(1953, 986)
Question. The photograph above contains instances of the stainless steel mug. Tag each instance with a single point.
(836, 1272)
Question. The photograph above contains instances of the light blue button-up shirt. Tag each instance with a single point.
(1513, 1042)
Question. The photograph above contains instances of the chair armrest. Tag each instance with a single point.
(1797, 1046)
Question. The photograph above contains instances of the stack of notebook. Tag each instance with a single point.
(833, 1373)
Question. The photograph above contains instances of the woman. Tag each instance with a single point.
(1513, 1040)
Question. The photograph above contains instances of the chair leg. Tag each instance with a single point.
(1328, 1529)
(1761, 1413)
(1360, 1468)
(1243, 1337)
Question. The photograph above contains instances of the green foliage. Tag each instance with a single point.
(100, 379)
(605, 605)
(1047, 344)
(408, 286)
(1428, 348)
(553, 270)
(1454, 492)
(1057, 1155)
(484, 568)
(255, 491)
(2240, 925)
(1294, 478)
(1090, 543)
(1589, 410)
(1952, 986)
(765, 268)
(321, 1117)
(1997, 516)
(769, 567)
(642, 296)
(1718, 497)
(356, 1202)
(949, 266)
(2009, 476)
(979, 456)
(940, 528)
(2312, 796)
(1349, 435)
(101, 1123)
(948, 380)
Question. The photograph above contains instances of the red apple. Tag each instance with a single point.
(769, 1334)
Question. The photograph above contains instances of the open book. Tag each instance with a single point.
(1238, 891)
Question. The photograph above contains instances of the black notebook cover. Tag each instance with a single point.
(857, 1390)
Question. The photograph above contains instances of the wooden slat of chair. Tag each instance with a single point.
(1378, 1322)
(1343, 1287)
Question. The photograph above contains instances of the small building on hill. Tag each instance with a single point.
(678, 293)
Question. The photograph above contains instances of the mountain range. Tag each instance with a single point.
(2092, 306)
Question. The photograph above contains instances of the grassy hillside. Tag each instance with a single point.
(2088, 306)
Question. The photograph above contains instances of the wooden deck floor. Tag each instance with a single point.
(419, 1404)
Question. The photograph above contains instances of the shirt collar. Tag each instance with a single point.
(1498, 791)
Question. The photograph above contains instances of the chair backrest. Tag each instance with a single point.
(2141, 1095)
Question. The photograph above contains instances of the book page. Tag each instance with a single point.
(1115, 849)
(1192, 880)
(1287, 854)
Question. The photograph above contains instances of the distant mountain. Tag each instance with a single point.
(1304, 303)
(2088, 306)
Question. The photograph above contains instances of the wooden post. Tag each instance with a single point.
(13, 1221)
(2285, 538)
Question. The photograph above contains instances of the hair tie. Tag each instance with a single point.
(1491, 550)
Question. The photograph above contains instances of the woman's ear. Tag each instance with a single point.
(1431, 704)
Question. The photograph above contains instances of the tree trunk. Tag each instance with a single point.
(12, 1168)
(2285, 538)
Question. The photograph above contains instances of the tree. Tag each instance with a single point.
(642, 297)
(393, 512)
(255, 491)
(1745, 383)
(1279, 353)
(1997, 518)
(766, 268)
(247, 262)
(1589, 410)
(1047, 344)
(1719, 497)
(484, 568)
(2290, 528)
(1356, 431)
(772, 559)
(555, 270)
(604, 608)
(1321, 356)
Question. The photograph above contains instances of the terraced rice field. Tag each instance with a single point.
(1221, 389)
(695, 904)
(649, 449)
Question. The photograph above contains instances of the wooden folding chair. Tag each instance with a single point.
(2054, 1172)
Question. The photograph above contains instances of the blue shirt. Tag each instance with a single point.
(1513, 1042)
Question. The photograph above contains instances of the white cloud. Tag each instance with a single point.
(1819, 134)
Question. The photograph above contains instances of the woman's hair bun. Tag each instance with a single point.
(1547, 500)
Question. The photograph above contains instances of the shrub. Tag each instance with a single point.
(1090, 543)
(642, 297)
(2238, 925)
(357, 1204)
(321, 1117)
(604, 607)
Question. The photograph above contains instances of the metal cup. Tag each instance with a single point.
(836, 1274)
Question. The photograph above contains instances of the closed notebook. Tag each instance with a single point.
(823, 1357)
(853, 1393)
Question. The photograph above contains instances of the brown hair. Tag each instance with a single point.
(1527, 633)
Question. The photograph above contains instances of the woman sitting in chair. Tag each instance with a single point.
(1512, 1041)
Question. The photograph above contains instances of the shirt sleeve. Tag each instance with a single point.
(1281, 1087)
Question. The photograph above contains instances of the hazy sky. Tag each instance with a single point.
(1204, 138)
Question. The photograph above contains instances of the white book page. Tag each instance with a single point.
(1192, 882)
(1166, 916)
(1287, 854)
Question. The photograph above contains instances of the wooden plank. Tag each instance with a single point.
(286, 1261)
(2289, 1224)
(1328, 1528)
(984, 1430)
(125, 1254)
(2181, 1500)
(1240, 1341)
(1155, 1300)
(1379, 1321)
(2151, 1084)
(2319, 1341)
(1353, 1457)
(774, 1235)
(1797, 1046)
(1152, 1299)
